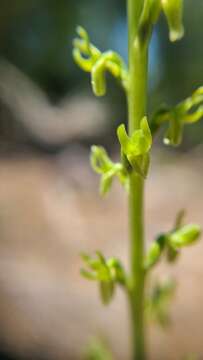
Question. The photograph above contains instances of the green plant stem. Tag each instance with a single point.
(138, 59)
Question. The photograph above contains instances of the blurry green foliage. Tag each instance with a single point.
(97, 350)
(36, 36)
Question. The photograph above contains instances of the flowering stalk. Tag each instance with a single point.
(137, 93)
(132, 170)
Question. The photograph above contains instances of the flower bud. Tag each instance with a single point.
(185, 236)
(173, 12)
(153, 255)
(155, 252)
(136, 147)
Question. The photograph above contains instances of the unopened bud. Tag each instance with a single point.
(185, 236)
(173, 12)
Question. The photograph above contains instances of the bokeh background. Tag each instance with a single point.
(50, 209)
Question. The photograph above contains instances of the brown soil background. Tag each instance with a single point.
(50, 210)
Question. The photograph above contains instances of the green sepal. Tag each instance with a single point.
(184, 236)
(188, 111)
(84, 53)
(191, 108)
(153, 256)
(170, 243)
(85, 64)
(100, 160)
(90, 59)
(98, 79)
(108, 273)
(88, 275)
(173, 10)
(102, 165)
(98, 267)
(106, 182)
(174, 133)
(154, 253)
(93, 263)
(116, 270)
(108, 61)
(136, 148)
(140, 164)
(139, 143)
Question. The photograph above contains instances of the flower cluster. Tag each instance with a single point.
(135, 153)
(108, 273)
(188, 111)
(90, 59)
(172, 242)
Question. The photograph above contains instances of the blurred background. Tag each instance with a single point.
(50, 209)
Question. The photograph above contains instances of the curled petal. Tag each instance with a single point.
(90, 59)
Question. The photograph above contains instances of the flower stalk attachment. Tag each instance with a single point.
(132, 170)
